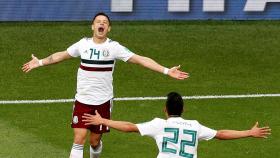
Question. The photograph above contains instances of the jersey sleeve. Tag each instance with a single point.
(121, 52)
(150, 128)
(206, 133)
(73, 50)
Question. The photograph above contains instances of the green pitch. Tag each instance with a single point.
(221, 57)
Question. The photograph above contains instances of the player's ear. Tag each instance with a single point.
(92, 27)
(109, 28)
(165, 111)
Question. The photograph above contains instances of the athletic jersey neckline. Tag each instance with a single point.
(107, 39)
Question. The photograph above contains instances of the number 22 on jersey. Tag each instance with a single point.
(174, 140)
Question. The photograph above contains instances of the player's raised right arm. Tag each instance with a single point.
(52, 59)
(118, 125)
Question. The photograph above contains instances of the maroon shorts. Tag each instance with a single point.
(79, 109)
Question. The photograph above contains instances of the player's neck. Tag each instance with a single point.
(99, 40)
(169, 116)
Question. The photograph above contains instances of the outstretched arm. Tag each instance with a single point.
(52, 59)
(255, 131)
(118, 125)
(149, 63)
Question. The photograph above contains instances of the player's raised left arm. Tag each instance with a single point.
(118, 125)
(149, 63)
(255, 131)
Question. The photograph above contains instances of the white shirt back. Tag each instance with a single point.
(176, 137)
(95, 75)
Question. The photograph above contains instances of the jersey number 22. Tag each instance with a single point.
(175, 139)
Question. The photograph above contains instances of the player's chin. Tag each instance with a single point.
(101, 35)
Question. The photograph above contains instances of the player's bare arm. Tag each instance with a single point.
(255, 131)
(118, 125)
(149, 63)
(52, 59)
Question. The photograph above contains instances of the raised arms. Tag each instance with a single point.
(149, 63)
(52, 59)
(255, 131)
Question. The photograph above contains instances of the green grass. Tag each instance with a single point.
(34, 130)
(222, 58)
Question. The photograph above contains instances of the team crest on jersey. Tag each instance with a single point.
(75, 119)
(105, 53)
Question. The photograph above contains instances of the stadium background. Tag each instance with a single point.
(71, 10)
(223, 57)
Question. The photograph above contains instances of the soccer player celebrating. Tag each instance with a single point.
(94, 79)
(176, 137)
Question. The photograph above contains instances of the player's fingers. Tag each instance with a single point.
(264, 137)
(266, 127)
(180, 76)
(33, 56)
(87, 115)
(24, 69)
(96, 112)
(183, 76)
(181, 72)
(266, 131)
(184, 73)
(85, 120)
(26, 64)
(28, 70)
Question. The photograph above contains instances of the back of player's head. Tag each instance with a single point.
(174, 104)
(103, 14)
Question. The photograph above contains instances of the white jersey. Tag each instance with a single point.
(176, 137)
(95, 75)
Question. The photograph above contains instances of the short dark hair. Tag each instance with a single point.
(174, 104)
(103, 14)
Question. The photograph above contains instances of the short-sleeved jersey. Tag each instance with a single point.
(176, 137)
(95, 74)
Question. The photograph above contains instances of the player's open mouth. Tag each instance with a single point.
(100, 29)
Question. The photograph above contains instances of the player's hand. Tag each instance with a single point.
(34, 63)
(260, 132)
(92, 119)
(174, 72)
